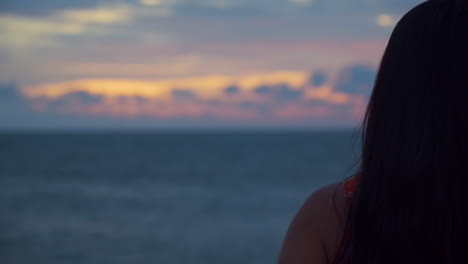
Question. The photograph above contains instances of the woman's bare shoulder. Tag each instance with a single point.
(316, 230)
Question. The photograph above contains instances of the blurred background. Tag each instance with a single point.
(176, 131)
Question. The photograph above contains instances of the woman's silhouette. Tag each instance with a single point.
(410, 193)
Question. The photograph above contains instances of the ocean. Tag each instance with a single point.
(159, 197)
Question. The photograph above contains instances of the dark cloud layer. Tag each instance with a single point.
(16, 111)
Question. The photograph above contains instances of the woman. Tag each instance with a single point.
(408, 201)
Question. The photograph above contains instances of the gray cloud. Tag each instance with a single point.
(279, 93)
(183, 94)
(232, 90)
(128, 99)
(356, 79)
(263, 89)
(9, 93)
(78, 97)
(11, 100)
(285, 93)
(34, 7)
(15, 109)
(318, 78)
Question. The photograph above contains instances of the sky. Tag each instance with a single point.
(190, 63)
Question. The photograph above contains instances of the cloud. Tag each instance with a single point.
(135, 99)
(150, 2)
(301, 2)
(232, 90)
(263, 89)
(72, 102)
(11, 99)
(272, 101)
(268, 102)
(386, 20)
(183, 94)
(35, 8)
(100, 15)
(78, 97)
(286, 93)
(318, 78)
(356, 79)
(9, 93)
(15, 109)
(206, 86)
(21, 31)
(278, 93)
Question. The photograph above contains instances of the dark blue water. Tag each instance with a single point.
(159, 197)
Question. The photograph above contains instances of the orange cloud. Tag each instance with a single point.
(327, 93)
(269, 97)
(205, 86)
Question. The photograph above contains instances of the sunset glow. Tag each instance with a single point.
(229, 62)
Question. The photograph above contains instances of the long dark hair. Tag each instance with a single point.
(410, 204)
